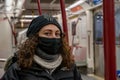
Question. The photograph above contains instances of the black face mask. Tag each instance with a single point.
(49, 45)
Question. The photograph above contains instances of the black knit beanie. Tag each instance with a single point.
(39, 22)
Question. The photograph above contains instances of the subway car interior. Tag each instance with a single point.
(84, 23)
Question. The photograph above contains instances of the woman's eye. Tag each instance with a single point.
(47, 34)
(58, 34)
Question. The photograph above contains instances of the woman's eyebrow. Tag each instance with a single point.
(47, 30)
(58, 31)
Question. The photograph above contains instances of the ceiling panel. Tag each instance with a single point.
(42, 1)
(66, 1)
(31, 8)
(56, 2)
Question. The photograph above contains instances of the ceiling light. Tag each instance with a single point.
(25, 20)
(29, 16)
(9, 5)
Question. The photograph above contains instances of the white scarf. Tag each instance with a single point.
(46, 64)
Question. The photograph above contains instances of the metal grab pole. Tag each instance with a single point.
(39, 7)
(109, 40)
(64, 20)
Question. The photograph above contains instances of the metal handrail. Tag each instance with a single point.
(3, 59)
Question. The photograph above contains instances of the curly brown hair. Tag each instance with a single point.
(27, 50)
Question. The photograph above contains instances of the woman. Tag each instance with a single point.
(44, 55)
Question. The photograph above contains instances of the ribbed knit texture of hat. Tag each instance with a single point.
(39, 22)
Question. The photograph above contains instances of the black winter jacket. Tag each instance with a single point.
(38, 73)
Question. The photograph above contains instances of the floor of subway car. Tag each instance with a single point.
(91, 77)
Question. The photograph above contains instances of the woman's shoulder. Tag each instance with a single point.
(10, 61)
(11, 73)
(13, 66)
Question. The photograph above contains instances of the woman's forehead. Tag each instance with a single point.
(50, 27)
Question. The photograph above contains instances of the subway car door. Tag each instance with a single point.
(117, 28)
(98, 44)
